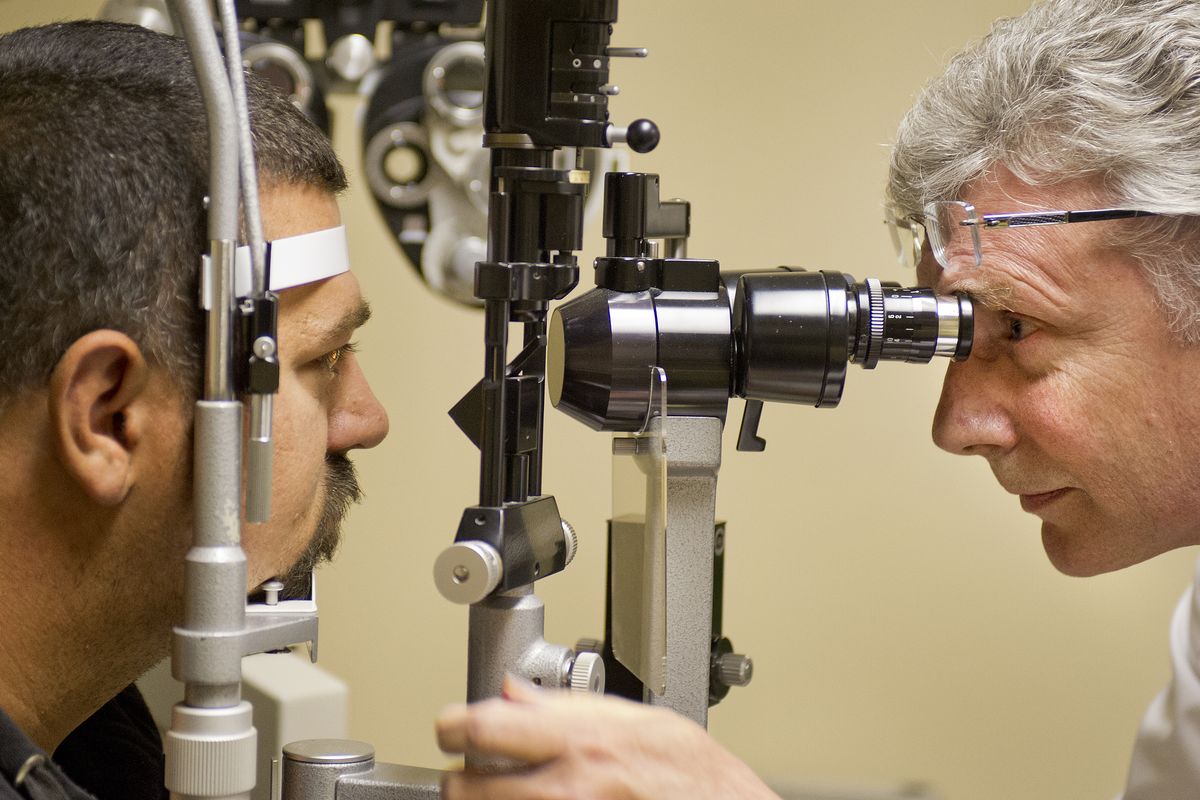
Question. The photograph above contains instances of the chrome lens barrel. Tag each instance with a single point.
(912, 324)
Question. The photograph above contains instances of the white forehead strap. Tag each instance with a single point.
(297, 260)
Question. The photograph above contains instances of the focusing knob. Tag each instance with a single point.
(589, 645)
(571, 541)
(735, 669)
(587, 674)
(467, 572)
(875, 322)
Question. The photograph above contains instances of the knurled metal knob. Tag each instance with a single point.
(571, 539)
(588, 645)
(875, 320)
(587, 673)
(735, 669)
(210, 752)
(467, 572)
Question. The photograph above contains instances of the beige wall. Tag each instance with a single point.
(902, 617)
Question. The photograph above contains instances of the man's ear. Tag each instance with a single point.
(90, 393)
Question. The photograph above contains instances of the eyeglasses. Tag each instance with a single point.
(953, 228)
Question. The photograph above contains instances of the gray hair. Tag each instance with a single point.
(1102, 89)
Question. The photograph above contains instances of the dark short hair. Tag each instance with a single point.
(103, 171)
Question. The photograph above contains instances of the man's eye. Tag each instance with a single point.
(332, 360)
(1019, 328)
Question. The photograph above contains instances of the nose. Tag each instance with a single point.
(357, 419)
(973, 413)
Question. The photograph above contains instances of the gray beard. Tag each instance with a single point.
(341, 491)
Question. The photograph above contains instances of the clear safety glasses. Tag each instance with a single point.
(953, 229)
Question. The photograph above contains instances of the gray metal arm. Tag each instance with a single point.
(210, 748)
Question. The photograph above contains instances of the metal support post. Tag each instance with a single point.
(693, 459)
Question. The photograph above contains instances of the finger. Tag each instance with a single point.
(497, 728)
(497, 786)
(451, 727)
(520, 690)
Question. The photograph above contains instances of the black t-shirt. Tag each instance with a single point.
(116, 754)
(25, 771)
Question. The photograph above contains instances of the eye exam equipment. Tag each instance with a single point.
(706, 336)
(653, 354)
(419, 66)
(211, 745)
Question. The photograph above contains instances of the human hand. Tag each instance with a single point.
(587, 747)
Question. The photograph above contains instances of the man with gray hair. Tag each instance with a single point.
(1081, 388)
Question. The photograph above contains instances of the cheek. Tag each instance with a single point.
(1080, 416)
(1114, 425)
(301, 431)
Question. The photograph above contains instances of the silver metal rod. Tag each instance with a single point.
(215, 566)
(249, 172)
(258, 489)
(506, 636)
(210, 748)
(196, 21)
(627, 52)
(259, 459)
(218, 344)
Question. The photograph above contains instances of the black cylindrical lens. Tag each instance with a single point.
(793, 333)
(796, 331)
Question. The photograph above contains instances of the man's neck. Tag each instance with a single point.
(77, 624)
(64, 662)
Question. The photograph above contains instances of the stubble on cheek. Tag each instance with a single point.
(341, 492)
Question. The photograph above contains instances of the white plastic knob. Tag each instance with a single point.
(211, 752)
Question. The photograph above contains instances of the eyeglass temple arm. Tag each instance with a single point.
(1056, 217)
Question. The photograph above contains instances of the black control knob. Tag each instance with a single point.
(642, 136)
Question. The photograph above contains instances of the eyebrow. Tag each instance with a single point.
(989, 294)
(351, 321)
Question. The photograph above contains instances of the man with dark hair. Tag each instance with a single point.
(103, 173)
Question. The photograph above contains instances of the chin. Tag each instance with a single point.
(1096, 549)
(1081, 554)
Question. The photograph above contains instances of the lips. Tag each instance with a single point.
(1032, 503)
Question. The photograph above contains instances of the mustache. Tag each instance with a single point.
(341, 492)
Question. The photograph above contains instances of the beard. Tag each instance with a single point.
(341, 492)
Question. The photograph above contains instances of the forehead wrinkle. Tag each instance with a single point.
(1021, 267)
